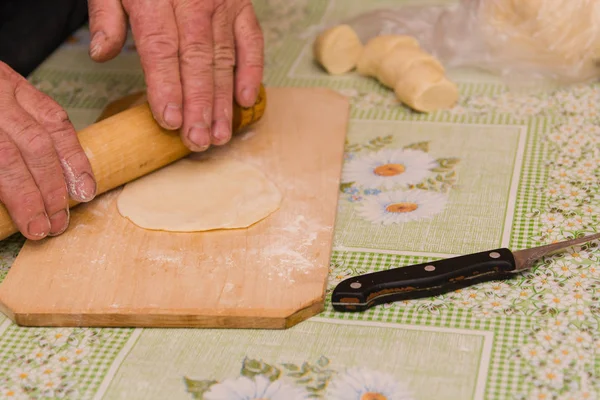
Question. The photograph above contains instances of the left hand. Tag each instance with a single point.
(188, 50)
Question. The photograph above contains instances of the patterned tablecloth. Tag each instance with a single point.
(500, 169)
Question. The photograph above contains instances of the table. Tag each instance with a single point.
(500, 169)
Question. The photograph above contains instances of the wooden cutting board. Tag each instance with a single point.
(105, 271)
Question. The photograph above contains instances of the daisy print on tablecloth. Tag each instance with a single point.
(402, 206)
(364, 384)
(244, 388)
(394, 186)
(389, 168)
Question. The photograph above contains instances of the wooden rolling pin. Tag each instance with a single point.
(125, 145)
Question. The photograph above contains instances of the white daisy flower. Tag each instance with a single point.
(557, 301)
(581, 313)
(77, 352)
(590, 210)
(578, 283)
(39, 355)
(576, 253)
(57, 337)
(552, 377)
(540, 393)
(22, 375)
(389, 168)
(12, 393)
(593, 271)
(497, 288)
(565, 162)
(534, 353)
(567, 204)
(552, 219)
(548, 338)
(520, 293)
(558, 360)
(559, 323)
(362, 384)
(402, 206)
(564, 268)
(581, 339)
(244, 388)
(571, 150)
(470, 298)
(542, 281)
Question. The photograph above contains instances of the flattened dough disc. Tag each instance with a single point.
(200, 195)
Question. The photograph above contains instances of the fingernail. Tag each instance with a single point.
(96, 44)
(39, 226)
(249, 95)
(59, 222)
(222, 131)
(173, 116)
(84, 188)
(199, 136)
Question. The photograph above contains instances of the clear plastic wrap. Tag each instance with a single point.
(555, 41)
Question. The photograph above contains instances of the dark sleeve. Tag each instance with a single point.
(30, 30)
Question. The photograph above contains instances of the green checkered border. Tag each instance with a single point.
(17, 340)
(503, 380)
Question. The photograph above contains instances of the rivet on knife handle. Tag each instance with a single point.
(422, 280)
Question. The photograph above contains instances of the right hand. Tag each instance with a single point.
(41, 160)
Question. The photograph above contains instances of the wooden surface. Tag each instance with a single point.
(105, 271)
(126, 145)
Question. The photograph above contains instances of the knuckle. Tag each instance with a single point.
(38, 144)
(54, 113)
(9, 155)
(196, 53)
(158, 45)
(224, 55)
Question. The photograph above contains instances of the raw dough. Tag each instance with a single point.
(425, 89)
(208, 194)
(401, 60)
(377, 48)
(337, 49)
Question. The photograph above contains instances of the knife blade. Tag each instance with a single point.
(362, 292)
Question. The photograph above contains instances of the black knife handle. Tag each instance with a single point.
(422, 280)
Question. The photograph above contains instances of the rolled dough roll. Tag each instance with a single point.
(203, 195)
(337, 49)
(402, 59)
(425, 89)
(377, 48)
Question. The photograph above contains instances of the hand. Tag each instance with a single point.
(41, 160)
(188, 49)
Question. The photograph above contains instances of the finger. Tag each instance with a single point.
(108, 29)
(223, 60)
(196, 57)
(155, 32)
(76, 168)
(250, 55)
(20, 194)
(37, 150)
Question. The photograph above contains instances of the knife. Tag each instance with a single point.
(437, 277)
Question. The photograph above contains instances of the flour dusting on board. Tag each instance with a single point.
(285, 258)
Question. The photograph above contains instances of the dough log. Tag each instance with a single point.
(337, 49)
(377, 48)
(426, 89)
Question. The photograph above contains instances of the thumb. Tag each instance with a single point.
(108, 29)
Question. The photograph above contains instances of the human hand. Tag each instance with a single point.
(41, 160)
(188, 50)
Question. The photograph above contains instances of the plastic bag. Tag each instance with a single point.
(555, 41)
